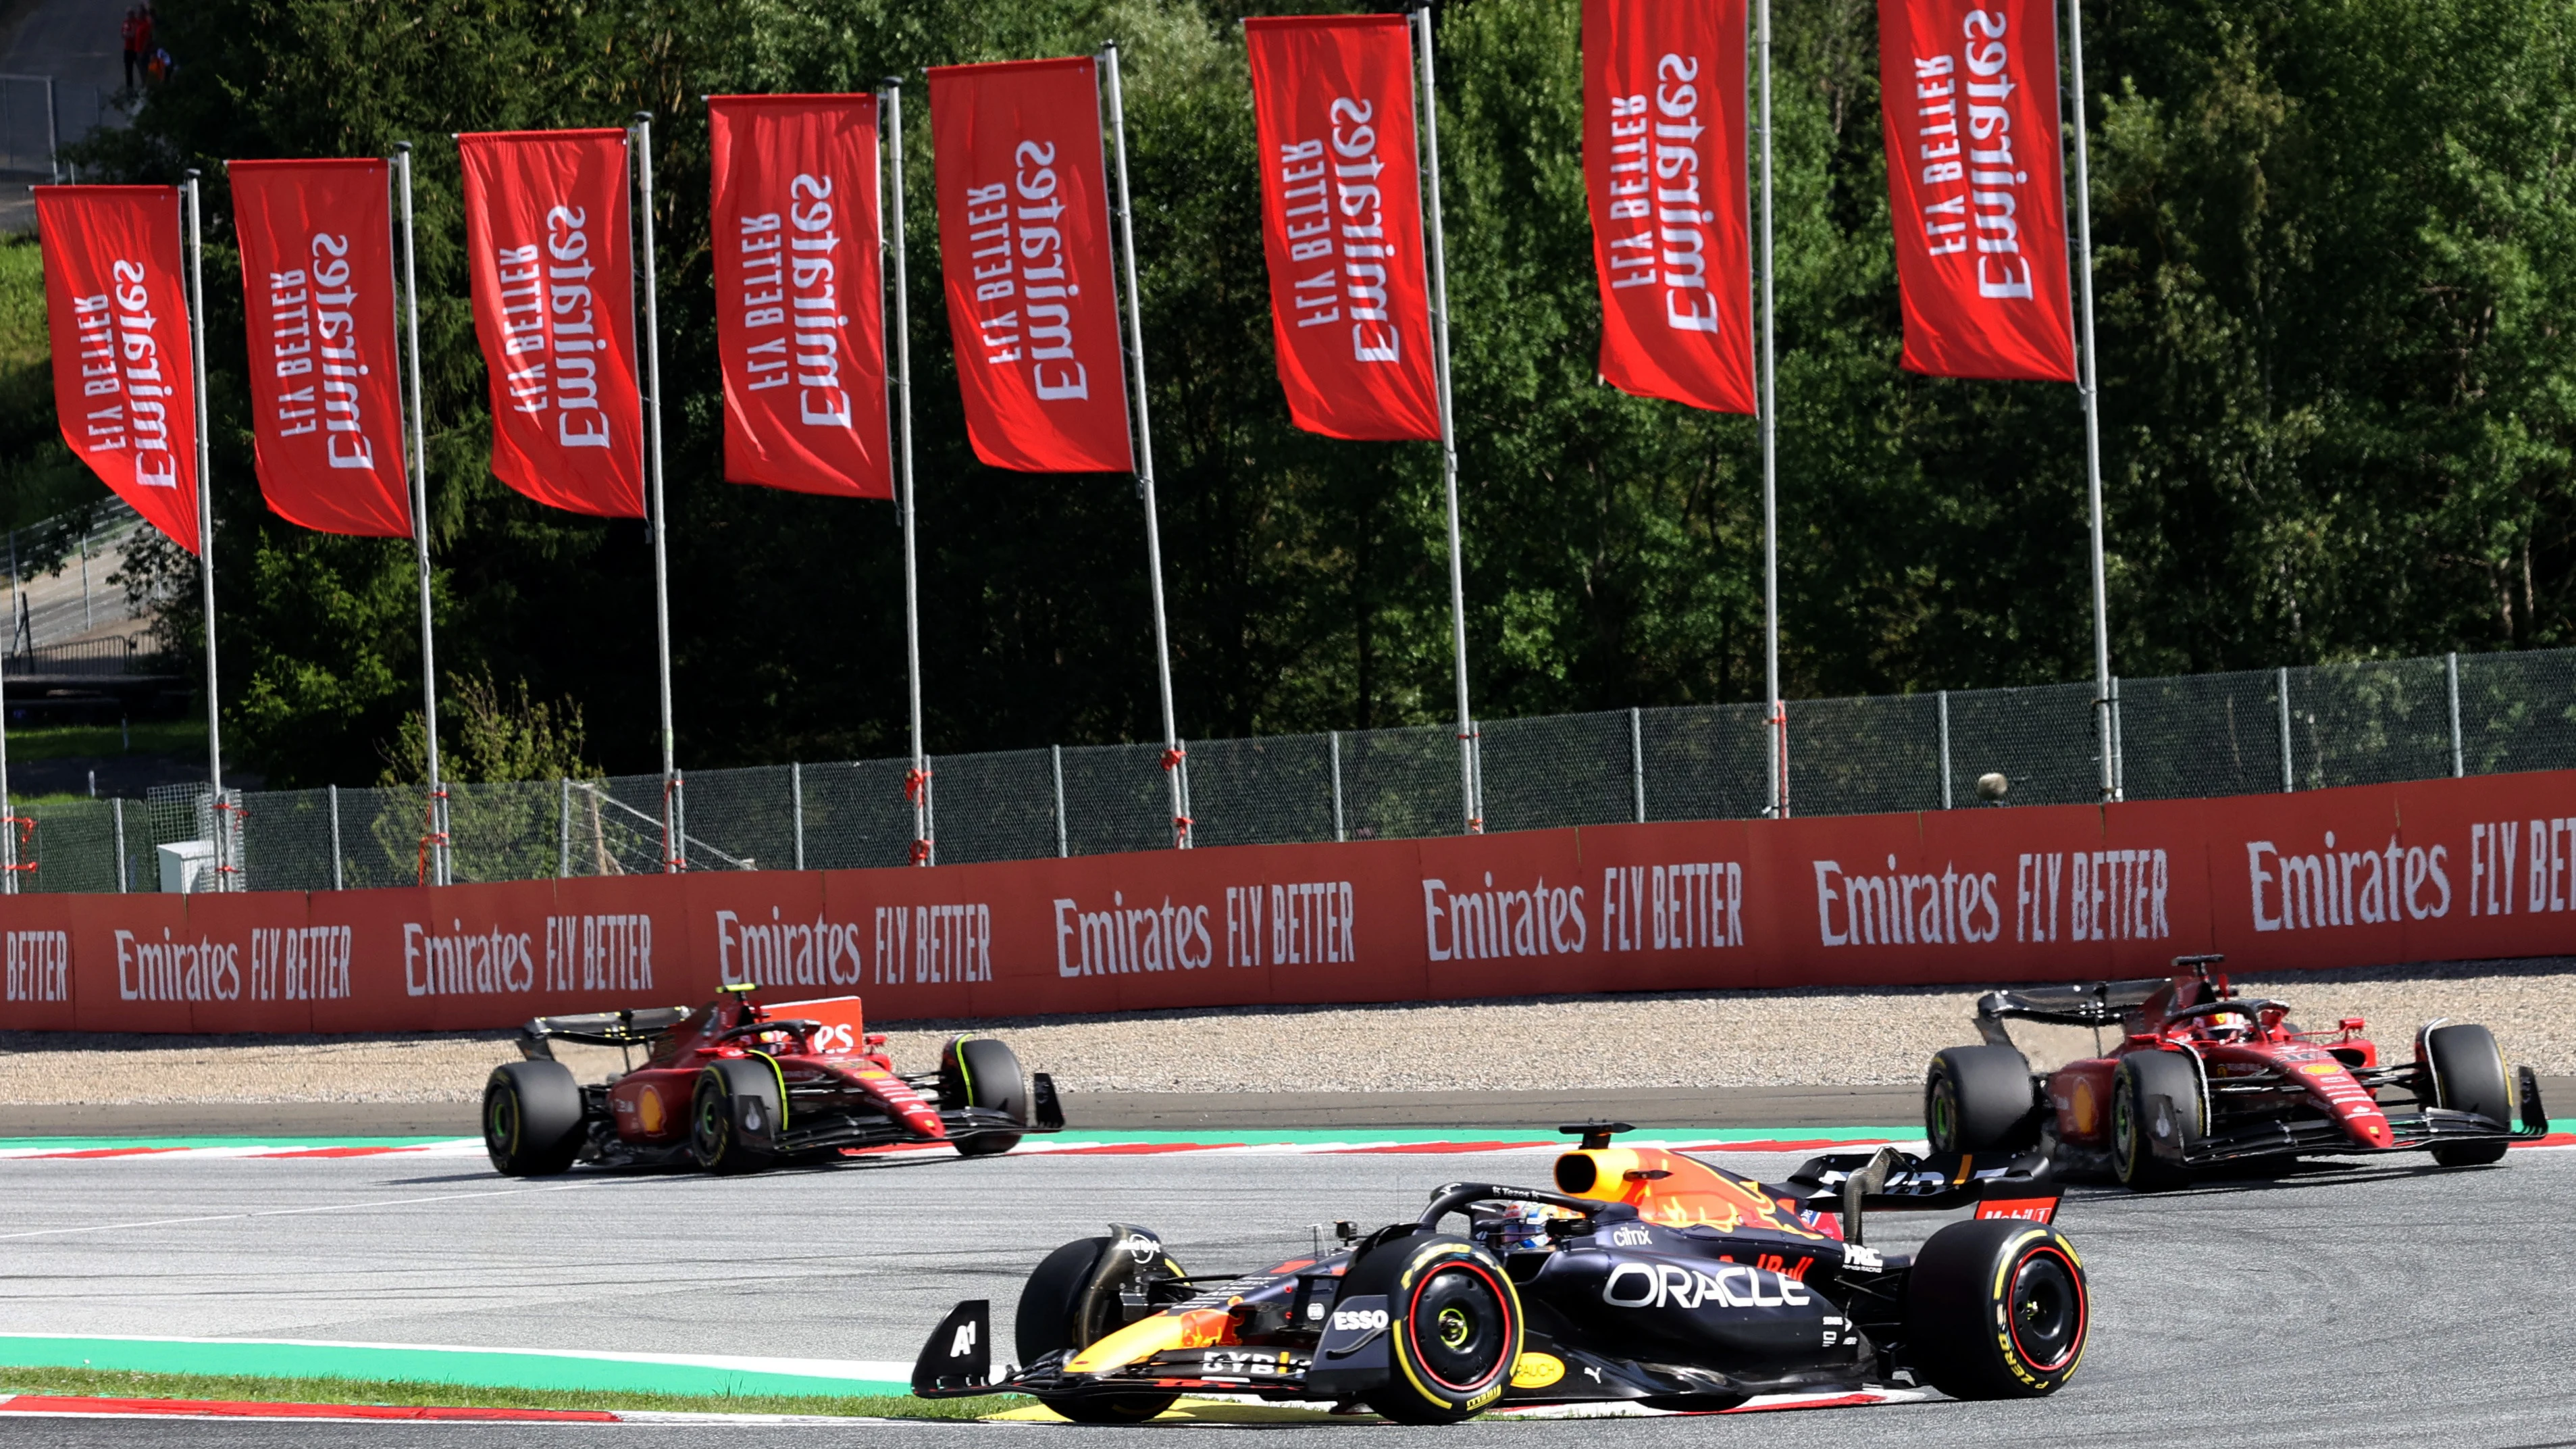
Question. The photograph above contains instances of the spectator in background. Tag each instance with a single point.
(161, 67)
(134, 33)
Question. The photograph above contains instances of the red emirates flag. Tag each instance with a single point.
(1663, 164)
(800, 310)
(554, 306)
(124, 374)
(1975, 188)
(325, 378)
(1024, 240)
(1341, 222)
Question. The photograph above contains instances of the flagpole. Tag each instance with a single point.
(1175, 759)
(438, 832)
(917, 784)
(1469, 780)
(675, 853)
(225, 868)
(1776, 711)
(2086, 386)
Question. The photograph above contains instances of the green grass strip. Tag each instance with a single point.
(288, 1389)
(374, 1363)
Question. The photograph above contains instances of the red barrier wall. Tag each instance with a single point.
(2437, 870)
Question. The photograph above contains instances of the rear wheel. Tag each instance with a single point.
(1454, 1327)
(1979, 1099)
(735, 1097)
(1996, 1309)
(2468, 1075)
(977, 1071)
(1060, 1312)
(532, 1118)
(2139, 1120)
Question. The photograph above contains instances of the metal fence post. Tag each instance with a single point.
(1637, 760)
(1338, 832)
(563, 849)
(1056, 752)
(1476, 775)
(2451, 674)
(2119, 762)
(796, 791)
(2289, 780)
(336, 878)
(1945, 749)
(121, 868)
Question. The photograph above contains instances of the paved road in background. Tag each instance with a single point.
(2397, 1302)
(77, 43)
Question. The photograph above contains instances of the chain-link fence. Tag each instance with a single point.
(2180, 738)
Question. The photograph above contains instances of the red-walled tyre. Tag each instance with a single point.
(1996, 1309)
(1454, 1328)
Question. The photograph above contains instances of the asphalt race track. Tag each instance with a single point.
(2380, 1303)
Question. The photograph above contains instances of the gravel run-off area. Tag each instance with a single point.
(1817, 1036)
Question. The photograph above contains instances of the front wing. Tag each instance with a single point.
(2414, 1130)
(1346, 1364)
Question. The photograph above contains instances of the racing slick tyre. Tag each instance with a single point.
(977, 1071)
(2468, 1075)
(1453, 1327)
(1996, 1309)
(1059, 1311)
(1979, 1099)
(532, 1118)
(2136, 1123)
(734, 1093)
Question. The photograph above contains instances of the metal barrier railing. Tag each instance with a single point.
(2171, 738)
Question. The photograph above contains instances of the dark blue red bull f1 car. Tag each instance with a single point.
(1644, 1277)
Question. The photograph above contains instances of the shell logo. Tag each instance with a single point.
(1537, 1370)
(2087, 1110)
(648, 1111)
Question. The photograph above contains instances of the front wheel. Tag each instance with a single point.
(2155, 1097)
(1453, 1330)
(1060, 1311)
(1996, 1309)
(2468, 1074)
(977, 1071)
(735, 1108)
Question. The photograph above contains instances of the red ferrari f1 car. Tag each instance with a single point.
(735, 1086)
(2202, 1077)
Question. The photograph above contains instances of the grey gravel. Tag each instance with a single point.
(1669, 1039)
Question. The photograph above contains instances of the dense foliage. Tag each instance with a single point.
(2337, 257)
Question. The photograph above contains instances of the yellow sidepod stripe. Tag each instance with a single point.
(1147, 1337)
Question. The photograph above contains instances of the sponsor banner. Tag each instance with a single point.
(554, 307)
(1663, 165)
(800, 309)
(1341, 223)
(125, 386)
(36, 993)
(1975, 187)
(2440, 870)
(1024, 238)
(325, 378)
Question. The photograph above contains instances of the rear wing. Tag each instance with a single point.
(2095, 1003)
(1852, 1184)
(598, 1028)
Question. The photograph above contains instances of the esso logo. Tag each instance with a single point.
(835, 1040)
(1359, 1320)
